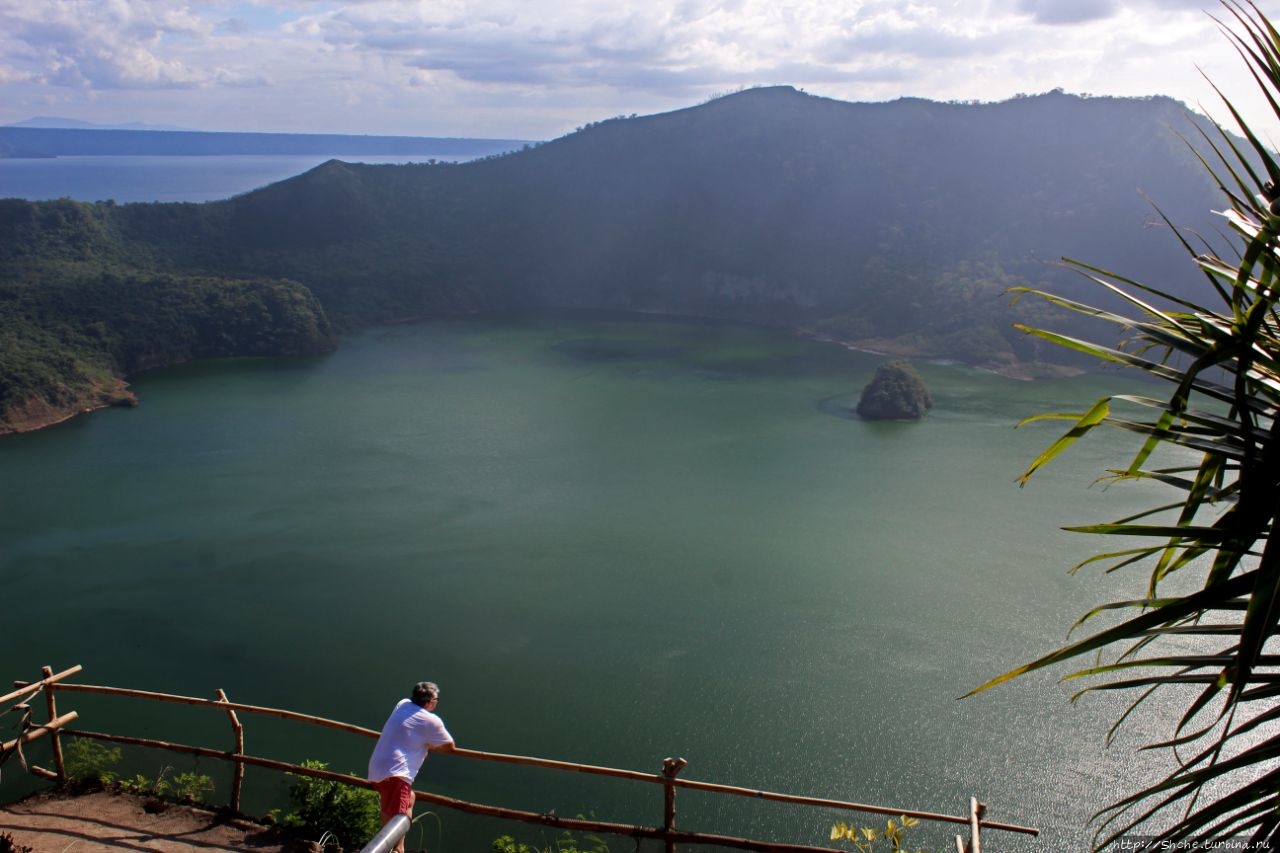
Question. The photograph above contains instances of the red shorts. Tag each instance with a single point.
(397, 797)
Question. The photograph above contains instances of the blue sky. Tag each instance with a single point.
(536, 69)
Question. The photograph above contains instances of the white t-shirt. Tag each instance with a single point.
(409, 733)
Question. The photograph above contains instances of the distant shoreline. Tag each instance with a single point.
(1018, 370)
(42, 142)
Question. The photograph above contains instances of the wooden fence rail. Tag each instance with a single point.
(52, 682)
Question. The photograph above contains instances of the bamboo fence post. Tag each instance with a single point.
(237, 728)
(670, 767)
(58, 764)
(976, 811)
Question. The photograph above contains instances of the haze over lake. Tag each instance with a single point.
(610, 540)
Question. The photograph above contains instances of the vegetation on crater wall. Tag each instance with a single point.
(75, 320)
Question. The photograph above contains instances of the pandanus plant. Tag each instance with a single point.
(1205, 631)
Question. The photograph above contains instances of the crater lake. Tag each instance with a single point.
(610, 540)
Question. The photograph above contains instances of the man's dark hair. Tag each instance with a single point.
(424, 692)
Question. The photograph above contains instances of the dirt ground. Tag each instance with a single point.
(102, 822)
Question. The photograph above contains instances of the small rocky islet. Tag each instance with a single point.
(896, 393)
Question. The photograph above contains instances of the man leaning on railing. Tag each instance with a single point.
(412, 731)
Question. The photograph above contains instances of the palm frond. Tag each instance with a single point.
(1222, 369)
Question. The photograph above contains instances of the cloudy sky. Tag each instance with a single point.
(536, 69)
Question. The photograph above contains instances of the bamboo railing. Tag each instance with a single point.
(57, 725)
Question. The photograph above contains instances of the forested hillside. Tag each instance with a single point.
(80, 311)
(895, 225)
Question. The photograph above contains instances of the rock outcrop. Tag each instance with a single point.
(897, 393)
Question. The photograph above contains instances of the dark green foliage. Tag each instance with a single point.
(321, 805)
(89, 762)
(186, 787)
(768, 205)
(74, 320)
(896, 393)
(62, 230)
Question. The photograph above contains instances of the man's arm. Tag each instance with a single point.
(447, 746)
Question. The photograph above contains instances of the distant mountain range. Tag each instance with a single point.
(29, 140)
(893, 226)
(77, 124)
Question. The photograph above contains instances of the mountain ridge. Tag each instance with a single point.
(896, 226)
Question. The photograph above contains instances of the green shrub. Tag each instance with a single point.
(565, 842)
(139, 784)
(188, 787)
(322, 805)
(508, 844)
(90, 762)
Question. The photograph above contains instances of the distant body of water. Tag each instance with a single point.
(610, 541)
(164, 178)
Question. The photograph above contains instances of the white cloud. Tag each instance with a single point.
(100, 45)
(9, 75)
(536, 68)
(1068, 11)
(683, 43)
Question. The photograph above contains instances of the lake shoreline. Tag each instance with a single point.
(1021, 371)
(34, 415)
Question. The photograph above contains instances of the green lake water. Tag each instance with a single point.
(610, 541)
